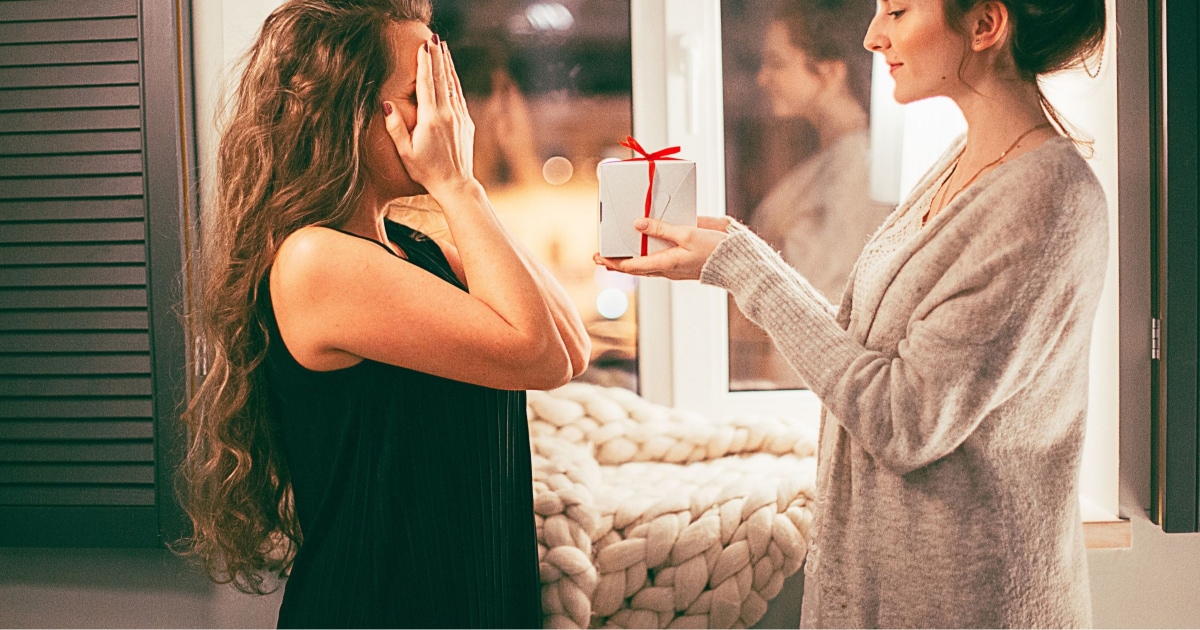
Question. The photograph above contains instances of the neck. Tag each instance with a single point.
(368, 220)
(997, 113)
(838, 115)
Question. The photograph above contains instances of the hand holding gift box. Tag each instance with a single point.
(654, 186)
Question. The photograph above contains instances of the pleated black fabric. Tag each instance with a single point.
(414, 492)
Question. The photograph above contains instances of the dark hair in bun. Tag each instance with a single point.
(1049, 36)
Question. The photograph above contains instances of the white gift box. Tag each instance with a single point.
(623, 188)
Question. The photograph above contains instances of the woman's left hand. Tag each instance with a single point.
(693, 245)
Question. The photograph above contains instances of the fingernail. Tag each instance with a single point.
(387, 108)
(435, 39)
(641, 224)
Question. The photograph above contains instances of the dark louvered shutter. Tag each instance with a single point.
(91, 350)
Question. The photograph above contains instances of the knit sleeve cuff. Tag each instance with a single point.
(777, 298)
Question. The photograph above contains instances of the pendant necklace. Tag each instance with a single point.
(945, 201)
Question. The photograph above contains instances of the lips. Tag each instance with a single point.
(892, 67)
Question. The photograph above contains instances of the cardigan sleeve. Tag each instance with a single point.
(996, 312)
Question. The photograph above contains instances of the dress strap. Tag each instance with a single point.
(389, 249)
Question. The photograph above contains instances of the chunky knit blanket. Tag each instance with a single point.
(651, 517)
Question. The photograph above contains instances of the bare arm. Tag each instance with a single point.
(566, 317)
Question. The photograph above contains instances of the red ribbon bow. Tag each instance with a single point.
(662, 154)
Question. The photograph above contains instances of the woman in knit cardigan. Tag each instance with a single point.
(954, 375)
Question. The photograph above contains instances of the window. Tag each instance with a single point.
(680, 95)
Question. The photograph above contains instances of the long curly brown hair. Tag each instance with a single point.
(292, 154)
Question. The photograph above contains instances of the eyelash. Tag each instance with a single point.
(896, 14)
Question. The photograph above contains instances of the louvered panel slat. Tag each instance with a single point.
(100, 341)
(57, 429)
(82, 142)
(49, 76)
(72, 209)
(71, 187)
(60, 387)
(29, 10)
(73, 232)
(71, 254)
(72, 298)
(68, 30)
(64, 386)
(81, 474)
(81, 408)
(76, 495)
(108, 319)
(124, 275)
(34, 364)
(98, 451)
(69, 97)
(67, 53)
(71, 120)
(59, 165)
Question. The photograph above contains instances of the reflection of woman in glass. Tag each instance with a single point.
(820, 214)
(362, 407)
(954, 374)
(814, 67)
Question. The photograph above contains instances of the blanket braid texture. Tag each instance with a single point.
(652, 517)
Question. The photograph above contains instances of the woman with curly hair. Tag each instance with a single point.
(362, 422)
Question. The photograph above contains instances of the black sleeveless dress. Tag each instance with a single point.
(414, 492)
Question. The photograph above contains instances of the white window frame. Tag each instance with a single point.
(683, 347)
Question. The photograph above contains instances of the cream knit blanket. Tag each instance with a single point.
(650, 517)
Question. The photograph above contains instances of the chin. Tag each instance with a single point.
(904, 97)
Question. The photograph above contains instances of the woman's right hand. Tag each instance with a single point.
(438, 152)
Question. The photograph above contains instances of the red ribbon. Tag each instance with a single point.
(662, 154)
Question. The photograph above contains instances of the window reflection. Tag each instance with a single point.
(548, 86)
(797, 103)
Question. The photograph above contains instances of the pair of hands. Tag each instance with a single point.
(693, 246)
(438, 153)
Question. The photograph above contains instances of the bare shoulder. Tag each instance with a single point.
(311, 265)
(307, 252)
(316, 257)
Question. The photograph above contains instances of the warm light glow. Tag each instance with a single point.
(606, 279)
(557, 170)
(612, 303)
(549, 16)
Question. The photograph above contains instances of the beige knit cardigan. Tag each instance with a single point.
(955, 402)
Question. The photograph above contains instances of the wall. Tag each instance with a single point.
(114, 588)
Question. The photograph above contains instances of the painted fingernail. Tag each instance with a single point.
(436, 40)
(387, 108)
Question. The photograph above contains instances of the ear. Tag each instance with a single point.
(832, 72)
(987, 25)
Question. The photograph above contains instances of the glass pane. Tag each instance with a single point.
(797, 162)
(548, 86)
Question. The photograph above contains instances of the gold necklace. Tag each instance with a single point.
(945, 201)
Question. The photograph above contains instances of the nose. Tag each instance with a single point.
(875, 40)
